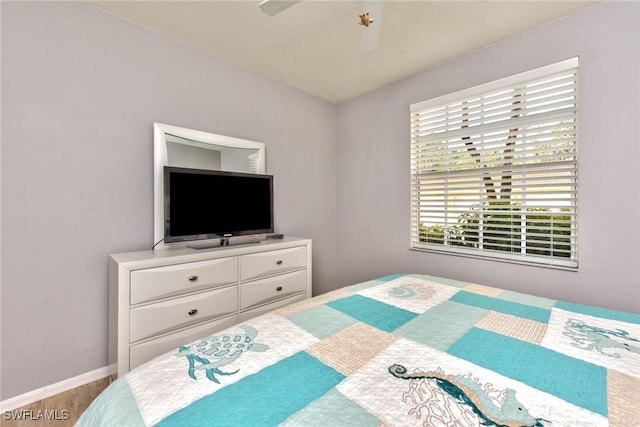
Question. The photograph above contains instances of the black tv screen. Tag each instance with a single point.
(201, 204)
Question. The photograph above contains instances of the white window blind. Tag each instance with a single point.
(494, 169)
(254, 163)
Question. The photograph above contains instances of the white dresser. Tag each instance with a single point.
(159, 300)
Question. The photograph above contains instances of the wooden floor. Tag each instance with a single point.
(60, 410)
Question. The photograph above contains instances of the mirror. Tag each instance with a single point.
(188, 148)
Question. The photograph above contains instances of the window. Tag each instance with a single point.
(494, 169)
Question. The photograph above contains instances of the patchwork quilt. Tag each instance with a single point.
(404, 350)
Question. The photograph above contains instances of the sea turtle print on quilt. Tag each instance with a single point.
(403, 350)
(216, 351)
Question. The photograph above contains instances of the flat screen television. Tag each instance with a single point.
(208, 204)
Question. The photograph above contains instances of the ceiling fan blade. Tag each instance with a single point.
(273, 7)
(370, 35)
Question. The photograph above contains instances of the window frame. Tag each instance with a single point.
(522, 257)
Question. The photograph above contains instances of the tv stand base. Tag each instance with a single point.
(222, 243)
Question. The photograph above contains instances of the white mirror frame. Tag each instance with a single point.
(161, 159)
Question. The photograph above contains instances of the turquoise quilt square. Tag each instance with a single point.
(534, 301)
(503, 306)
(277, 394)
(442, 325)
(333, 409)
(375, 313)
(322, 321)
(573, 380)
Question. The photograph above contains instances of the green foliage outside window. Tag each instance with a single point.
(499, 225)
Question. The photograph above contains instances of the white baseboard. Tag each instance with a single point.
(53, 389)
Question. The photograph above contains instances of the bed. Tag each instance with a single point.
(401, 350)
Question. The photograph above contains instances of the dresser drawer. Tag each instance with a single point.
(272, 262)
(160, 282)
(272, 288)
(143, 352)
(249, 314)
(172, 314)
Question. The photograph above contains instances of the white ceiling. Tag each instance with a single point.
(315, 45)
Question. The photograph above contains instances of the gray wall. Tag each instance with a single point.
(373, 163)
(80, 92)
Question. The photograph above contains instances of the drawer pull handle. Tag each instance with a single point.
(279, 288)
(193, 278)
(193, 312)
(279, 262)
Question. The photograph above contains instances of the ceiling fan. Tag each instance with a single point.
(370, 18)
